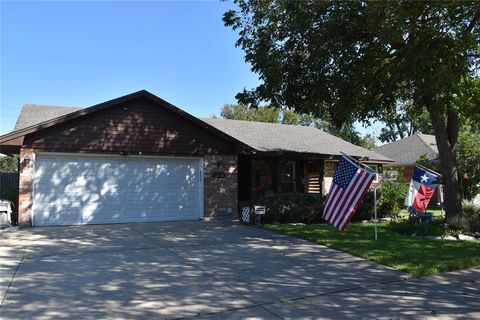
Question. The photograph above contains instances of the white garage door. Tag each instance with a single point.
(71, 189)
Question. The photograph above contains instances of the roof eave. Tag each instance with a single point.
(319, 155)
(10, 149)
(20, 134)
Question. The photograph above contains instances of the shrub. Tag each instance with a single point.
(391, 199)
(298, 208)
(458, 225)
(470, 218)
(467, 222)
(366, 209)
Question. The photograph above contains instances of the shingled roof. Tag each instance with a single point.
(407, 151)
(260, 136)
(33, 114)
(272, 137)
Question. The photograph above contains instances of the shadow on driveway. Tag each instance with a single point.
(210, 270)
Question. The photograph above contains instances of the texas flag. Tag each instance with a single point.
(422, 187)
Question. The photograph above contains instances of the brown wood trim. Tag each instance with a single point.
(311, 156)
(143, 93)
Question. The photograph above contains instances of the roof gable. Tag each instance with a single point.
(16, 138)
(407, 151)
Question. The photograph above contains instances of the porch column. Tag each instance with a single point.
(276, 175)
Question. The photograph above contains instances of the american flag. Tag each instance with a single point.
(350, 183)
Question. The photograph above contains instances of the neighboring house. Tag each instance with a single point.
(139, 158)
(406, 152)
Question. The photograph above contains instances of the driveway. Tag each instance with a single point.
(210, 270)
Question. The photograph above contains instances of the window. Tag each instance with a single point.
(287, 177)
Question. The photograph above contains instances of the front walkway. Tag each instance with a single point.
(210, 270)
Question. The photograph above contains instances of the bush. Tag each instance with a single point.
(366, 209)
(308, 209)
(469, 221)
(391, 199)
(458, 225)
(298, 208)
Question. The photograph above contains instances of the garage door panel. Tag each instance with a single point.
(138, 206)
(60, 216)
(97, 189)
(105, 215)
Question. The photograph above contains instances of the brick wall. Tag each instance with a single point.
(220, 185)
(408, 172)
(25, 198)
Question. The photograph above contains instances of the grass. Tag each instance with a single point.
(414, 255)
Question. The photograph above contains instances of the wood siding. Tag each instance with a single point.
(139, 125)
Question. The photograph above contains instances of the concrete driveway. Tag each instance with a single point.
(210, 270)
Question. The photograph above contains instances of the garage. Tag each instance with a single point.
(135, 158)
(71, 189)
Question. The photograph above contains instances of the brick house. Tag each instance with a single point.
(139, 158)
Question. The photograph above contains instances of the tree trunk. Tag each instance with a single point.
(446, 133)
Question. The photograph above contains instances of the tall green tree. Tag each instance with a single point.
(468, 155)
(354, 60)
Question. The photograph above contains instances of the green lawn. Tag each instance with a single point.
(414, 255)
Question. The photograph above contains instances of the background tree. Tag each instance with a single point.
(274, 115)
(354, 60)
(468, 155)
(368, 142)
(8, 164)
(404, 122)
(348, 133)
(242, 112)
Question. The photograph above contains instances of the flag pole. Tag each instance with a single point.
(374, 192)
(440, 199)
(358, 161)
(428, 170)
(375, 206)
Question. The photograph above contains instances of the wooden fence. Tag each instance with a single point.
(9, 186)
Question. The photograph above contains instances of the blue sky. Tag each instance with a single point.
(82, 53)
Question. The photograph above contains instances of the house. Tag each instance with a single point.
(139, 158)
(406, 152)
